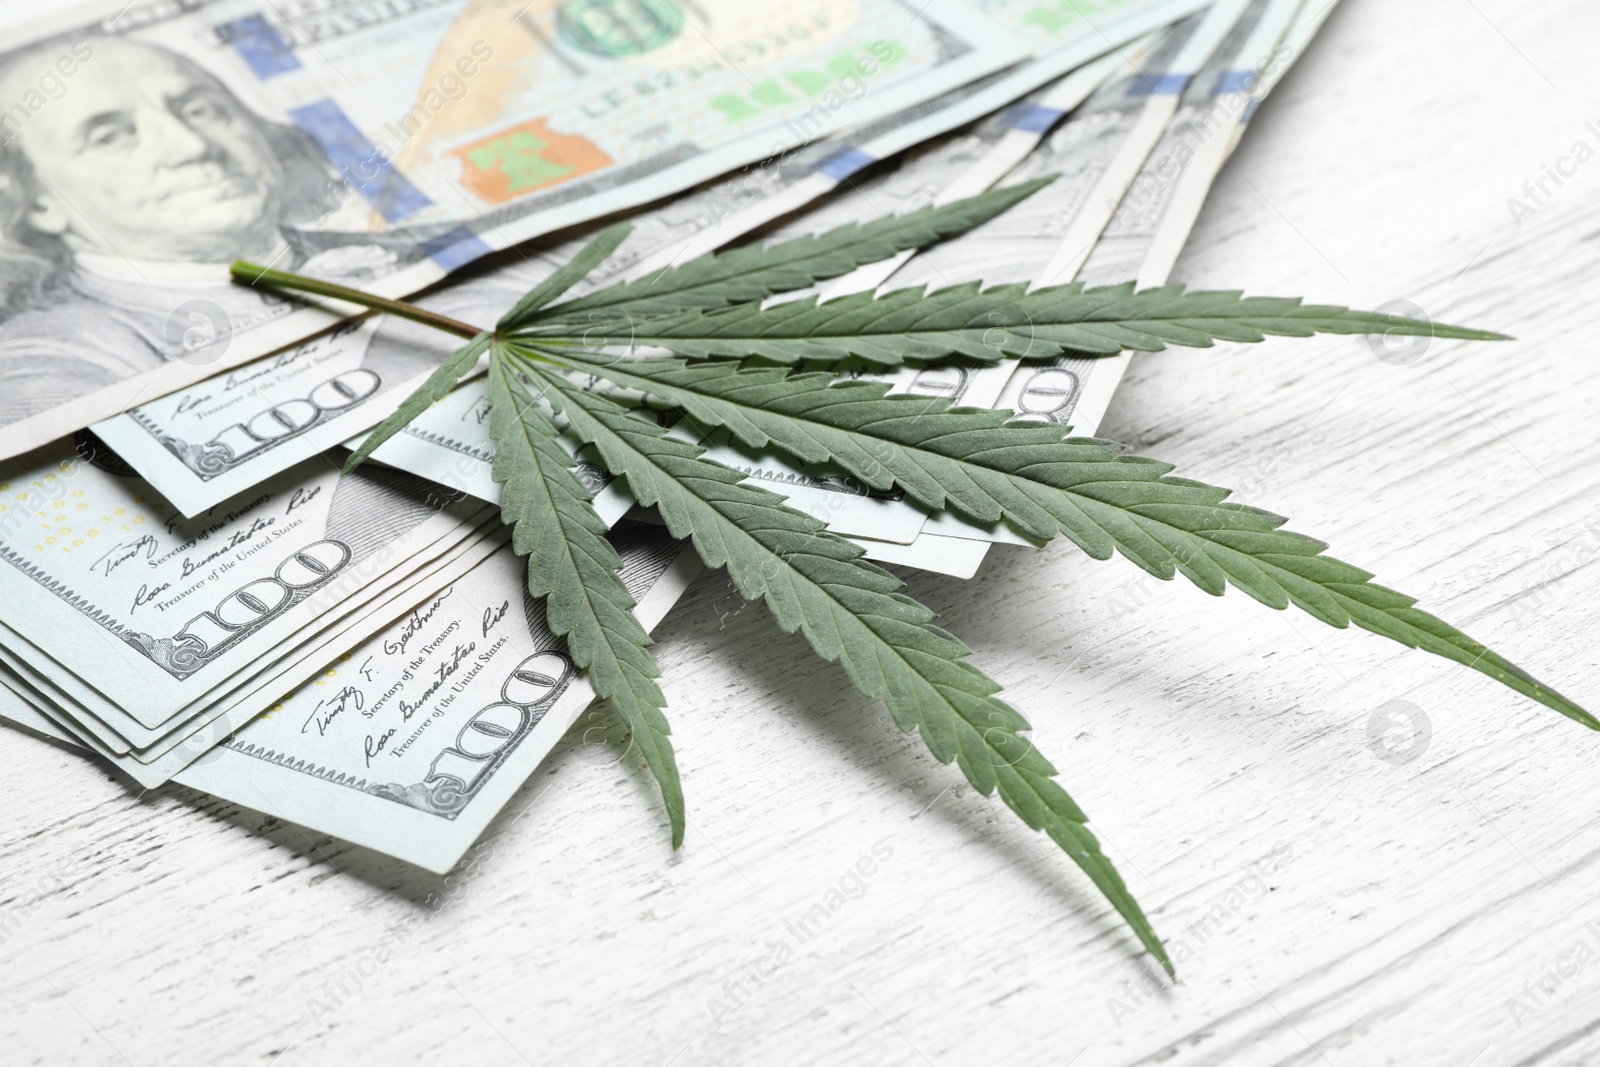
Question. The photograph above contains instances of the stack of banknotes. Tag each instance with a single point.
(191, 590)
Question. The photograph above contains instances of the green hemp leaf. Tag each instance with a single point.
(560, 373)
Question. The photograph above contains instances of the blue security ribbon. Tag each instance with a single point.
(1035, 118)
(365, 166)
(845, 162)
(456, 247)
(258, 42)
(1237, 81)
(1158, 85)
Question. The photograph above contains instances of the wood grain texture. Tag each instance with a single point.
(1338, 909)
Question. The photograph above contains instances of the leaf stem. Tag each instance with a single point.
(251, 274)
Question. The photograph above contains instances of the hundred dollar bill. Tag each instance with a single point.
(212, 440)
(1097, 152)
(122, 734)
(152, 765)
(205, 443)
(450, 444)
(1093, 155)
(411, 742)
(382, 574)
(148, 144)
(1152, 220)
(1063, 35)
(960, 165)
(1007, 110)
(413, 750)
(949, 168)
(208, 443)
(203, 729)
(151, 609)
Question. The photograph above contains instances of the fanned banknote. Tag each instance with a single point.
(1141, 243)
(1142, 240)
(152, 610)
(316, 383)
(214, 439)
(170, 752)
(962, 164)
(1097, 152)
(1063, 35)
(411, 741)
(148, 144)
(1092, 155)
(449, 444)
(123, 734)
(210, 440)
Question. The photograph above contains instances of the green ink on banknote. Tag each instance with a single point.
(520, 157)
(615, 28)
(1058, 15)
(844, 76)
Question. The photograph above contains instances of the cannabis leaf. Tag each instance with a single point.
(1033, 477)
(571, 273)
(571, 563)
(1042, 482)
(1003, 321)
(755, 271)
(849, 611)
(445, 377)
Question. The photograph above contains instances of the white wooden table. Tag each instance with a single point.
(1337, 908)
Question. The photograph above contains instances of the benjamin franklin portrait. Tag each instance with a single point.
(123, 198)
